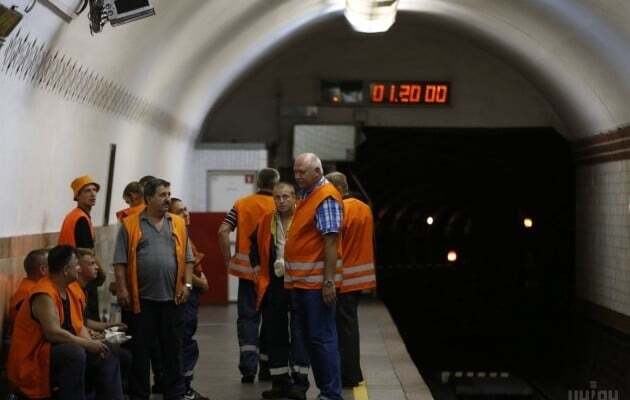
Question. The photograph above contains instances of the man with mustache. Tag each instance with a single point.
(153, 262)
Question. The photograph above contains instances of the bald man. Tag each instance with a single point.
(313, 270)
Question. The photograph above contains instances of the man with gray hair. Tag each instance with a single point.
(313, 270)
(244, 217)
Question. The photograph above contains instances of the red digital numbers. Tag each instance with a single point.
(409, 93)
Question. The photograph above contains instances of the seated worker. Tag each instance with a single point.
(52, 352)
(36, 267)
(134, 197)
(267, 251)
(88, 271)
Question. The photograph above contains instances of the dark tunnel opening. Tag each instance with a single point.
(504, 201)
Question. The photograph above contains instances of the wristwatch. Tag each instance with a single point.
(329, 283)
(188, 285)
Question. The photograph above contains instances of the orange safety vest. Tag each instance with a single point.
(263, 239)
(249, 210)
(28, 365)
(19, 296)
(358, 247)
(122, 214)
(304, 252)
(66, 236)
(134, 233)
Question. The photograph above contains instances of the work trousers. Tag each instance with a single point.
(288, 358)
(190, 347)
(247, 325)
(317, 321)
(348, 334)
(164, 320)
(73, 370)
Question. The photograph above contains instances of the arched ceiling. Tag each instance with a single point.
(576, 52)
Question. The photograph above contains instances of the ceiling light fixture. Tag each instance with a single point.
(371, 16)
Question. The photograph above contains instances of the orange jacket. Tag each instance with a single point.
(28, 365)
(304, 251)
(19, 296)
(249, 210)
(358, 247)
(122, 214)
(66, 236)
(263, 239)
(134, 233)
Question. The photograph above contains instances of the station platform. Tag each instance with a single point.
(389, 371)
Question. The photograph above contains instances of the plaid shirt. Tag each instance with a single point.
(329, 214)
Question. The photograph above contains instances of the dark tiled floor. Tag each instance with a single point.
(389, 372)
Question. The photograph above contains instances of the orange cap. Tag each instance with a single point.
(82, 181)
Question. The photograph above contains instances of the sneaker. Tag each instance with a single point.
(296, 394)
(192, 394)
(248, 378)
(275, 393)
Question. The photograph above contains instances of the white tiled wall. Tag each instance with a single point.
(603, 235)
(221, 160)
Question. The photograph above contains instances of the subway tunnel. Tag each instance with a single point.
(535, 127)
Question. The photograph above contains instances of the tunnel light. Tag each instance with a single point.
(371, 16)
(528, 223)
(430, 221)
(451, 256)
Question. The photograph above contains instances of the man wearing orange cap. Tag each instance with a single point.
(77, 231)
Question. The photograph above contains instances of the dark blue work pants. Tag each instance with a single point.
(288, 359)
(317, 321)
(247, 326)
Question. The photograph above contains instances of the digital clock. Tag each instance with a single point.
(432, 93)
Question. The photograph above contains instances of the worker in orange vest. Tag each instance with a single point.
(77, 230)
(358, 274)
(244, 217)
(133, 196)
(313, 270)
(36, 267)
(52, 352)
(153, 262)
(288, 361)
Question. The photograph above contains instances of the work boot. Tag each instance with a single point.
(248, 378)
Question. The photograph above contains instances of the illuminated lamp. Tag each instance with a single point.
(451, 256)
(528, 223)
(430, 221)
(371, 16)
